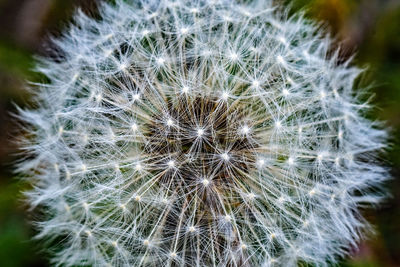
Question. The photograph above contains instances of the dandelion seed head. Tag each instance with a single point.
(199, 133)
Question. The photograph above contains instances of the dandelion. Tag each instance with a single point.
(199, 133)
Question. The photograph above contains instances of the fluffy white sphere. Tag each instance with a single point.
(199, 133)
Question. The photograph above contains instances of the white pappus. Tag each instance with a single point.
(199, 133)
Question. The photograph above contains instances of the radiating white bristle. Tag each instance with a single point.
(199, 133)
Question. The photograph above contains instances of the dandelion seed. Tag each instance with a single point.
(251, 196)
(83, 167)
(85, 138)
(134, 127)
(136, 97)
(280, 60)
(205, 182)
(98, 98)
(184, 31)
(206, 53)
(255, 84)
(75, 77)
(340, 135)
(108, 52)
(322, 94)
(312, 192)
(260, 162)
(285, 92)
(122, 66)
(225, 156)
(337, 161)
(170, 122)
(152, 15)
(200, 132)
(245, 129)
(282, 39)
(227, 18)
(234, 57)
(185, 89)
(67, 175)
(160, 61)
(145, 32)
(108, 36)
(225, 96)
(173, 255)
(67, 207)
(138, 167)
(171, 164)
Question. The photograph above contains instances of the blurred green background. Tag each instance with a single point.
(371, 28)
